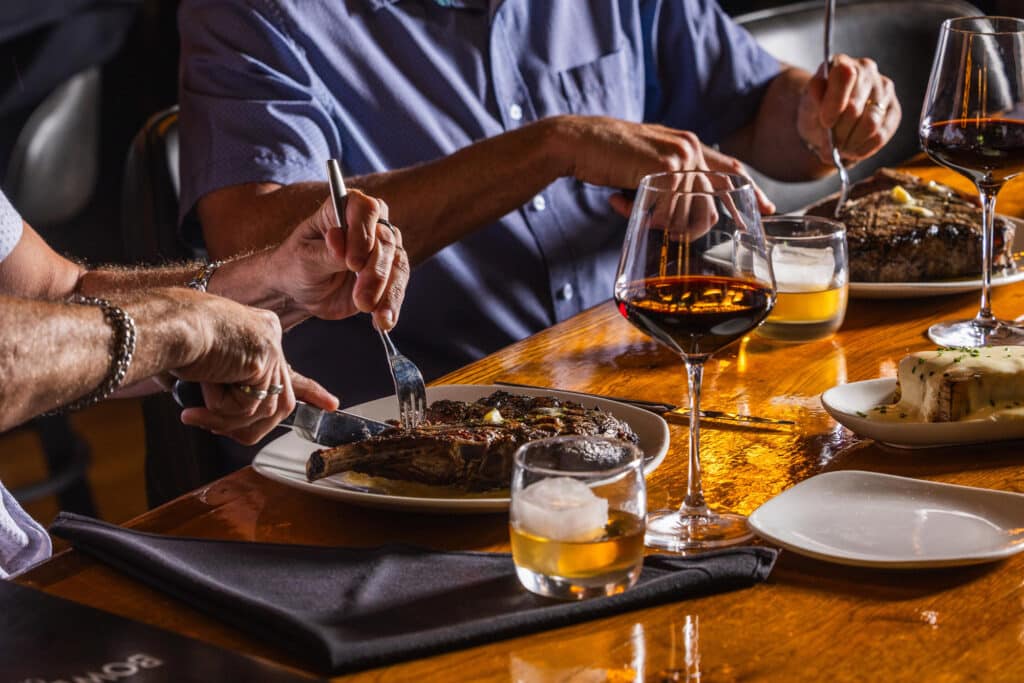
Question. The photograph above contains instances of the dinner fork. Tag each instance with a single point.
(409, 387)
(412, 394)
(844, 175)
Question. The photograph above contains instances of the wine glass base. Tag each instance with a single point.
(679, 532)
(972, 333)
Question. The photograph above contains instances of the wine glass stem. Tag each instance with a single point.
(694, 504)
(988, 214)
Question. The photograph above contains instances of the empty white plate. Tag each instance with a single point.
(880, 520)
(850, 405)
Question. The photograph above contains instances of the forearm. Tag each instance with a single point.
(245, 279)
(435, 203)
(771, 143)
(53, 353)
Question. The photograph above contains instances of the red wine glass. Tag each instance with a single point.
(695, 276)
(972, 121)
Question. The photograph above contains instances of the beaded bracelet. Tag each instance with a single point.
(201, 280)
(122, 348)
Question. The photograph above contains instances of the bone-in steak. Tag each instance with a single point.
(466, 445)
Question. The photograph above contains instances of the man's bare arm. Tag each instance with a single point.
(52, 353)
(439, 202)
(312, 272)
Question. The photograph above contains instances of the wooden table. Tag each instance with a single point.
(811, 621)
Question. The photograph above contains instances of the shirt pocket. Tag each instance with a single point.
(606, 86)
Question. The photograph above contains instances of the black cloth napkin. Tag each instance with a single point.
(344, 609)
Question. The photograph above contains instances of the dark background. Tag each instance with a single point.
(140, 78)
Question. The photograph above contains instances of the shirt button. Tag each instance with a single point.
(565, 292)
(539, 203)
(515, 112)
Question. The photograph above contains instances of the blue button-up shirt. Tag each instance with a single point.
(270, 90)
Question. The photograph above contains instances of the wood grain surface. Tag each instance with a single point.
(811, 621)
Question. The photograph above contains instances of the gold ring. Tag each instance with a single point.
(876, 105)
(252, 392)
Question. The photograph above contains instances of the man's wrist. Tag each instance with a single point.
(559, 137)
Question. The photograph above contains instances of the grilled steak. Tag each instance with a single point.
(930, 232)
(466, 445)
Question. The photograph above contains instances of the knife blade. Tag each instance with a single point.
(669, 411)
(325, 427)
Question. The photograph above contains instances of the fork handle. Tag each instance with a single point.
(339, 194)
(389, 346)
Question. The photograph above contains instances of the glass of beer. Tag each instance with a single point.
(809, 259)
(579, 508)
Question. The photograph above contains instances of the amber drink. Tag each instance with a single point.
(578, 516)
(811, 274)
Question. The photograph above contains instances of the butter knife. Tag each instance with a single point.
(669, 411)
(325, 427)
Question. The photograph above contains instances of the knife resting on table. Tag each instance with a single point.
(666, 410)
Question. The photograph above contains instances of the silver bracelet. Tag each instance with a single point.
(201, 280)
(122, 348)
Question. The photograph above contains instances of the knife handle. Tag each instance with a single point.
(188, 394)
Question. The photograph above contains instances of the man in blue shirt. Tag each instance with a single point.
(498, 132)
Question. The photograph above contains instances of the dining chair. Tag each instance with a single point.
(178, 458)
(50, 177)
(900, 35)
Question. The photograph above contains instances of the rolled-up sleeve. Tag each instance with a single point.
(10, 227)
(705, 73)
(252, 108)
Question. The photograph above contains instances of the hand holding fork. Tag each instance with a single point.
(409, 386)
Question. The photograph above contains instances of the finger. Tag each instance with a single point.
(312, 392)
(621, 204)
(252, 433)
(723, 162)
(869, 88)
(385, 316)
(879, 122)
(361, 214)
(218, 423)
(842, 78)
(373, 278)
(228, 400)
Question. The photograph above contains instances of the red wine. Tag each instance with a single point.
(695, 315)
(988, 151)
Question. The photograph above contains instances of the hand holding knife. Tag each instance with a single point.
(325, 427)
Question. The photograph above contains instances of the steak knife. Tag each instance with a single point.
(325, 427)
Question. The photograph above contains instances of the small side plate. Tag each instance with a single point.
(850, 405)
(879, 520)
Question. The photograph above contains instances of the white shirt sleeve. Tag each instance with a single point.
(10, 227)
(23, 542)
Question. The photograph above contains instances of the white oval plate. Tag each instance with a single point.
(868, 519)
(284, 459)
(846, 403)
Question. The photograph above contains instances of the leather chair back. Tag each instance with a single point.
(54, 162)
(178, 458)
(900, 35)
